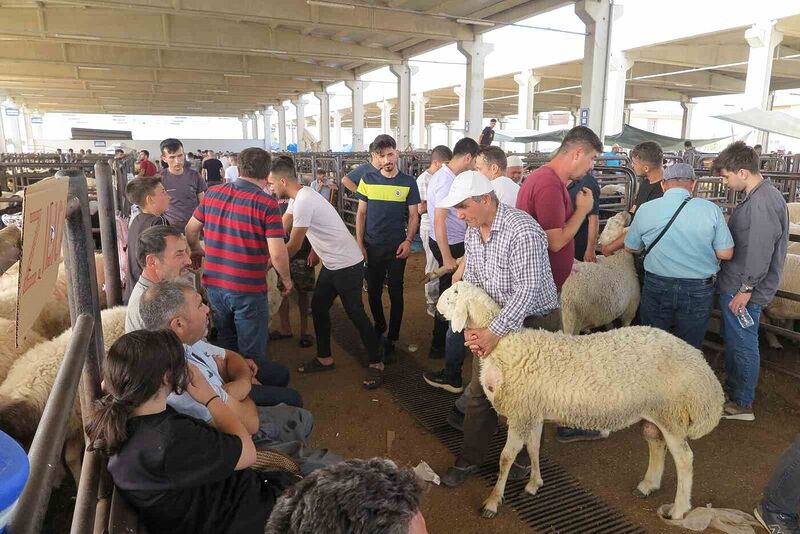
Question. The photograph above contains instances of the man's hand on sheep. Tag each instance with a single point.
(481, 341)
(590, 255)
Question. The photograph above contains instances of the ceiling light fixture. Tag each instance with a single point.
(76, 36)
(204, 101)
(268, 51)
(323, 3)
(31, 95)
(104, 86)
(94, 68)
(237, 75)
(221, 91)
(475, 22)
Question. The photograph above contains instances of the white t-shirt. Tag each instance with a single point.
(201, 355)
(422, 184)
(232, 173)
(506, 190)
(331, 240)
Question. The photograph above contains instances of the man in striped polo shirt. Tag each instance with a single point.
(243, 232)
(387, 199)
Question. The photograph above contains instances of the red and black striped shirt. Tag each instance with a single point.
(238, 218)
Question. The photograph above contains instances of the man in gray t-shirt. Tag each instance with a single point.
(184, 185)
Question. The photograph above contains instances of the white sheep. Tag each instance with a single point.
(595, 294)
(794, 212)
(609, 380)
(782, 311)
(794, 246)
(27, 387)
(8, 350)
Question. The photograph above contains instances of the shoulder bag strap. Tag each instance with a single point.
(664, 231)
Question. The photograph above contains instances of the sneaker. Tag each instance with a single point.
(455, 418)
(432, 310)
(731, 410)
(456, 476)
(568, 435)
(436, 353)
(438, 379)
(776, 523)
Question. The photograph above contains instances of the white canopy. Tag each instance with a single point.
(767, 121)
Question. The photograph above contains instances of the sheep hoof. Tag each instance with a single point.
(531, 487)
(643, 490)
(638, 493)
(488, 513)
(677, 513)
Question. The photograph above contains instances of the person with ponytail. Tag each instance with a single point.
(181, 474)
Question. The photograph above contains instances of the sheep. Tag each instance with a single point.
(25, 390)
(54, 317)
(780, 311)
(794, 212)
(595, 294)
(8, 350)
(10, 246)
(794, 246)
(608, 380)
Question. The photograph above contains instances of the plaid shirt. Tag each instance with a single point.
(512, 266)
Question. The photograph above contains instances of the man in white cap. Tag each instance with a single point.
(506, 256)
(514, 168)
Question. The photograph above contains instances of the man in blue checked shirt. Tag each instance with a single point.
(680, 269)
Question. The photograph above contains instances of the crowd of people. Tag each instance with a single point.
(185, 413)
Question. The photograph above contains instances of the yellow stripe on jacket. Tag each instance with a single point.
(388, 193)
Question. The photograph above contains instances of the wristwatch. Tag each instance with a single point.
(746, 289)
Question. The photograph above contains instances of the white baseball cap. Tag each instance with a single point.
(467, 184)
(514, 161)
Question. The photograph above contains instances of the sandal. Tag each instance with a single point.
(374, 378)
(277, 336)
(314, 366)
(306, 340)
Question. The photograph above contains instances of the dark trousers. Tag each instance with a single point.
(440, 324)
(382, 262)
(241, 320)
(273, 389)
(347, 285)
(480, 419)
(782, 493)
(678, 305)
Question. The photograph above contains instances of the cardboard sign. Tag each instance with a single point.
(43, 212)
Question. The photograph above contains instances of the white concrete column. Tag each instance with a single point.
(450, 126)
(357, 87)
(462, 106)
(527, 83)
(266, 119)
(403, 73)
(475, 52)
(386, 116)
(324, 120)
(336, 135)
(300, 109)
(37, 125)
(422, 137)
(2, 133)
(763, 38)
(254, 125)
(30, 144)
(537, 125)
(615, 96)
(10, 114)
(686, 122)
(626, 115)
(282, 126)
(243, 120)
(429, 136)
(596, 15)
(575, 112)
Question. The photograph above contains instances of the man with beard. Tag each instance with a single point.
(385, 199)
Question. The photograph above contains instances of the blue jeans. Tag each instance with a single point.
(453, 352)
(241, 320)
(742, 359)
(782, 492)
(678, 305)
(273, 390)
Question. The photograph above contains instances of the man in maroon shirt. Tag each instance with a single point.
(544, 195)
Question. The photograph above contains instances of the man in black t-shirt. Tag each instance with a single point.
(487, 135)
(149, 194)
(212, 169)
(586, 238)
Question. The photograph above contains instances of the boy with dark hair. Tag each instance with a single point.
(384, 201)
(243, 234)
(748, 282)
(151, 197)
(184, 185)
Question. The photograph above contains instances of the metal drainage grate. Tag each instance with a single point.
(561, 506)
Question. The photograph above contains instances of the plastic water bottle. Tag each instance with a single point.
(745, 319)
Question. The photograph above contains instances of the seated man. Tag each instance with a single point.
(178, 307)
(353, 496)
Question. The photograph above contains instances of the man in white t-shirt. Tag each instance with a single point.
(232, 172)
(342, 269)
(491, 162)
(439, 156)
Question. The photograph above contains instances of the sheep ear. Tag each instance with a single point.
(460, 316)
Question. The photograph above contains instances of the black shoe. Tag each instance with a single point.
(776, 523)
(456, 476)
(436, 353)
(389, 355)
(438, 379)
(568, 435)
(455, 419)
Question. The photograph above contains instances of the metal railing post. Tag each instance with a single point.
(45, 452)
(108, 232)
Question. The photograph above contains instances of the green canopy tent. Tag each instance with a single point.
(628, 138)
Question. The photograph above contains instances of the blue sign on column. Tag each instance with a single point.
(584, 117)
(12, 112)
